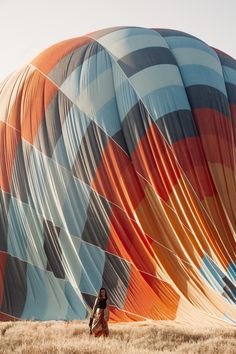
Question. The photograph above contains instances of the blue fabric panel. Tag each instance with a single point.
(165, 101)
(75, 207)
(116, 277)
(229, 289)
(25, 234)
(95, 95)
(66, 65)
(212, 274)
(172, 33)
(4, 205)
(144, 58)
(130, 44)
(17, 234)
(231, 271)
(177, 125)
(89, 70)
(188, 42)
(93, 260)
(113, 37)
(14, 287)
(188, 56)
(202, 96)
(154, 78)
(73, 131)
(49, 131)
(104, 32)
(96, 65)
(34, 231)
(53, 249)
(201, 75)
(108, 118)
(231, 92)
(86, 163)
(71, 86)
(48, 183)
(229, 75)
(137, 120)
(71, 248)
(126, 98)
(19, 181)
(97, 227)
(37, 295)
(229, 319)
(60, 178)
(57, 305)
(226, 60)
(76, 308)
(217, 279)
(45, 296)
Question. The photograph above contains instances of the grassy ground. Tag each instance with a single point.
(137, 338)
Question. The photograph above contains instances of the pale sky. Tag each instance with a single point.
(29, 26)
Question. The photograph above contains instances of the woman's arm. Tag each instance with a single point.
(94, 308)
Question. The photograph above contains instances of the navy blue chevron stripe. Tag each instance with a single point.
(177, 125)
(171, 33)
(203, 96)
(144, 58)
(231, 92)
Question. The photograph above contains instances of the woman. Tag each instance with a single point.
(100, 315)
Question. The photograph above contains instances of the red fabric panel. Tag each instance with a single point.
(216, 136)
(5, 317)
(190, 155)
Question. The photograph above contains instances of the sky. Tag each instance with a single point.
(29, 26)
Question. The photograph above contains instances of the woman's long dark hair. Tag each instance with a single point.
(99, 293)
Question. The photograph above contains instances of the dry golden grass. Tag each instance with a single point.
(130, 338)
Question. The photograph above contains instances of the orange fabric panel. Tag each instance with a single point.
(155, 161)
(164, 226)
(151, 297)
(224, 179)
(31, 103)
(50, 57)
(221, 223)
(190, 211)
(39, 92)
(127, 240)
(177, 271)
(116, 180)
(9, 139)
(117, 315)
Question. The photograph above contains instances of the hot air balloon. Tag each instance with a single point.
(118, 169)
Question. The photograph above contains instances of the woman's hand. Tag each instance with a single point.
(90, 325)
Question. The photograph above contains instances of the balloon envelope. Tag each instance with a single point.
(117, 169)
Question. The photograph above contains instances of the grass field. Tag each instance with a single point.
(137, 338)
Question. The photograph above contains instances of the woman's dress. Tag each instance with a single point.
(100, 319)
